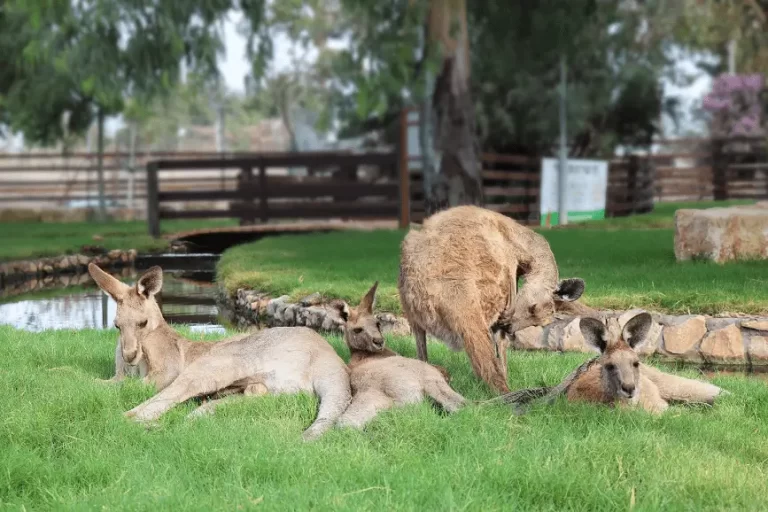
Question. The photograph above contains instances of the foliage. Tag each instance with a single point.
(737, 106)
(77, 57)
(625, 265)
(66, 444)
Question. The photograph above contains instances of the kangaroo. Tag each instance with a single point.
(382, 379)
(458, 282)
(617, 376)
(277, 360)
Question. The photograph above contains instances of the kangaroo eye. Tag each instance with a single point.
(142, 324)
(610, 367)
(636, 364)
(357, 330)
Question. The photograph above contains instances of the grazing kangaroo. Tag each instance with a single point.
(458, 282)
(277, 360)
(617, 376)
(382, 379)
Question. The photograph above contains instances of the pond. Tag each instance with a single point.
(188, 298)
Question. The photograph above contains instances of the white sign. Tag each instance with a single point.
(587, 182)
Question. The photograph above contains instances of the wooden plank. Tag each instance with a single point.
(310, 209)
(404, 182)
(302, 159)
(196, 214)
(509, 175)
(512, 208)
(531, 193)
(509, 159)
(343, 190)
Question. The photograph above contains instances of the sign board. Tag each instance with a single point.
(587, 190)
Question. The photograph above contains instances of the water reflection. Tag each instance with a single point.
(187, 298)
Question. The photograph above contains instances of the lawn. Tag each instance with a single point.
(623, 268)
(67, 446)
(36, 239)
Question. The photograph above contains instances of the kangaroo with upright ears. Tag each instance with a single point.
(382, 379)
(618, 376)
(274, 361)
(458, 282)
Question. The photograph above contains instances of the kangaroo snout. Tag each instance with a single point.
(628, 390)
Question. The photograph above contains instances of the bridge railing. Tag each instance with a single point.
(335, 185)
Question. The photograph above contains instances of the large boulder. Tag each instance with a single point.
(722, 234)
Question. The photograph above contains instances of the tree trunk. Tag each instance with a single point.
(450, 149)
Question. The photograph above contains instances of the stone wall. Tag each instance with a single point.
(49, 269)
(732, 341)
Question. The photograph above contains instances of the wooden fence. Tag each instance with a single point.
(336, 184)
(704, 169)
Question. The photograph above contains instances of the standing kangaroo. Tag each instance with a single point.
(277, 360)
(382, 379)
(458, 282)
(617, 376)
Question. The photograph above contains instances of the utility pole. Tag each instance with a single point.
(100, 165)
(131, 166)
(562, 181)
(732, 56)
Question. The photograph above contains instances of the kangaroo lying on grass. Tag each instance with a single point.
(278, 360)
(382, 379)
(458, 282)
(618, 377)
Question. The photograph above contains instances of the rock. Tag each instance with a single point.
(554, 333)
(682, 338)
(273, 304)
(32, 267)
(530, 338)
(97, 238)
(723, 345)
(48, 269)
(311, 300)
(114, 254)
(714, 324)
(722, 234)
(573, 340)
(756, 325)
(289, 315)
(758, 350)
(132, 253)
(83, 260)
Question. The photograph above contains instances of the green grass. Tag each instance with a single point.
(22, 240)
(622, 269)
(662, 216)
(65, 445)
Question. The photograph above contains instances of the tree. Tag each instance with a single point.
(86, 57)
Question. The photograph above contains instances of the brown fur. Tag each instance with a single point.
(458, 282)
(382, 379)
(278, 360)
(618, 377)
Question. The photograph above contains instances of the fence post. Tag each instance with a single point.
(719, 171)
(632, 167)
(404, 172)
(153, 200)
(264, 193)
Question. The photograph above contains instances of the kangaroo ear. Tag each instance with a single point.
(635, 332)
(150, 282)
(341, 307)
(111, 286)
(569, 290)
(369, 300)
(594, 333)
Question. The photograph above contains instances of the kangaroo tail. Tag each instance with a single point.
(481, 350)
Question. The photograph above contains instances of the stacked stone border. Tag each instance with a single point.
(61, 268)
(718, 341)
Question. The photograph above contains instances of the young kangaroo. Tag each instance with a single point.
(617, 376)
(458, 282)
(382, 379)
(278, 360)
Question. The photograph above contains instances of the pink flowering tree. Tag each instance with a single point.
(736, 105)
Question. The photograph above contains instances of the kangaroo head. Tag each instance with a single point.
(620, 365)
(535, 305)
(137, 311)
(362, 330)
